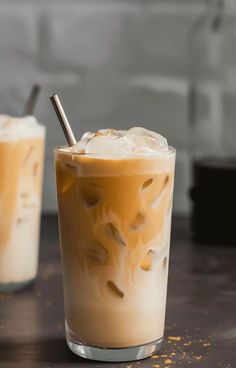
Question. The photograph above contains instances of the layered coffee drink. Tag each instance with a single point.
(115, 193)
(21, 167)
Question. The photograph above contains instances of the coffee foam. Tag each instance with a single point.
(15, 128)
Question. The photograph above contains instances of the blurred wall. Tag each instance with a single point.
(114, 63)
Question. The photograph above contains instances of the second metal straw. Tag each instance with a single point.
(63, 119)
(31, 102)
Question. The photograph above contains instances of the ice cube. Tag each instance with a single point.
(110, 141)
(144, 140)
(147, 262)
(81, 145)
(91, 195)
(138, 221)
(113, 288)
(115, 234)
(96, 253)
(108, 131)
(112, 144)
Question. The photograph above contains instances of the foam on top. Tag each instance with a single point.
(135, 141)
(14, 128)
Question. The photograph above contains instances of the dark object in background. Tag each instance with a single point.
(212, 118)
(214, 200)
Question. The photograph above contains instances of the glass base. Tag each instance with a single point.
(114, 355)
(13, 286)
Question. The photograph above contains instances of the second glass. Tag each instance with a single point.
(114, 219)
(22, 158)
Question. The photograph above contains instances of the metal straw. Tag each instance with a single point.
(63, 119)
(32, 99)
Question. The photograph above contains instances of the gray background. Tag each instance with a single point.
(113, 63)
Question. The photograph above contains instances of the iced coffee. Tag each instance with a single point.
(21, 166)
(115, 193)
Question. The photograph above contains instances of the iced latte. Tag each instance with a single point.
(21, 166)
(115, 193)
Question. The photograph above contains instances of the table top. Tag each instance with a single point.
(201, 310)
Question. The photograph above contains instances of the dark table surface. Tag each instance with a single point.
(201, 310)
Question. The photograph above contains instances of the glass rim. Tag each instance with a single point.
(171, 151)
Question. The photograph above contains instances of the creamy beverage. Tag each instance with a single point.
(21, 166)
(115, 193)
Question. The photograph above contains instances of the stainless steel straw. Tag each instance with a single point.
(63, 119)
(31, 102)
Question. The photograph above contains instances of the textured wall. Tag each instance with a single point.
(114, 64)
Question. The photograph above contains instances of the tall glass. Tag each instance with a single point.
(21, 168)
(114, 219)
